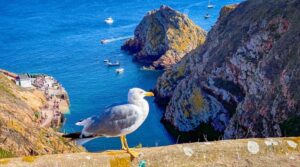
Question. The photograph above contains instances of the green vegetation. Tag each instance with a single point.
(139, 145)
(155, 34)
(197, 100)
(37, 114)
(5, 154)
(6, 89)
(180, 71)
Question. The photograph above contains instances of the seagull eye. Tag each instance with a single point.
(141, 92)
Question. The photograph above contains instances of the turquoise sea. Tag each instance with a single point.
(62, 38)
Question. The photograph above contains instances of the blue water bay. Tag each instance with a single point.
(62, 38)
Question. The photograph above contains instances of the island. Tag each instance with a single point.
(163, 38)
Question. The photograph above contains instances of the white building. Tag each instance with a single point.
(24, 81)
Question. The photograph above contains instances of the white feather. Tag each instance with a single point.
(82, 141)
(84, 122)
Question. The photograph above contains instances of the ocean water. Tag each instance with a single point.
(62, 38)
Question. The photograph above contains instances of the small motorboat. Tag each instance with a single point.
(207, 16)
(119, 70)
(109, 20)
(147, 68)
(104, 41)
(110, 64)
(209, 6)
(105, 60)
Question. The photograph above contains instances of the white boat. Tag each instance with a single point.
(106, 60)
(210, 5)
(104, 41)
(207, 16)
(109, 20)
(119, 70)
(110, 64)
(147, 68)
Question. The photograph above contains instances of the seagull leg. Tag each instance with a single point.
(131, 152)
(122, 142)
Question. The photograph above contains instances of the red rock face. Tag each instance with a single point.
(251, 58)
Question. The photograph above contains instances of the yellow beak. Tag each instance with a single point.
(149, 94)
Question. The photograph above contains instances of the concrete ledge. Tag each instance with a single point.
(243, 152)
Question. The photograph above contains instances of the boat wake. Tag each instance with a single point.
(124, 27)
(186, 9)
(104, 41)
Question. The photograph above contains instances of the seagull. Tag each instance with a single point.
(116, 120)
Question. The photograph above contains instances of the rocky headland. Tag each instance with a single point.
(163, 38)
(21, 130)
(244, 80)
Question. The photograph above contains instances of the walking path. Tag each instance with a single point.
(48, 117)
(57, 100)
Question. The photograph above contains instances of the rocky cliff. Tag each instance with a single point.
(163, 37)
(20, 131)
(244, 80)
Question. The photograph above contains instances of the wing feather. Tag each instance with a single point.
(113, 120)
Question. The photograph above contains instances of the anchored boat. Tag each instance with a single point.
(110, 64)
(207, 16)
(104, 41)
(109, 20)
(147, 68)
(209, 6)
(119, 70)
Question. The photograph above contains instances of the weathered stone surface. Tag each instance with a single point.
(245, 76)
(269, 152)
(163, 38)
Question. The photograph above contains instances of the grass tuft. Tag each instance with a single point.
(5, 154)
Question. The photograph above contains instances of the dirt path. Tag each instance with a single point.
(55, 105)
(49, 116)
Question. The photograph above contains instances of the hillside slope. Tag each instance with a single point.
(244, 80)
(20, 132)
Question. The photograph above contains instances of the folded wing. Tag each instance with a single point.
(113, 121)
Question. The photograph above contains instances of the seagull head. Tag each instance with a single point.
(136, 94)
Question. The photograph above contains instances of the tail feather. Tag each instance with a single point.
(84, 122)
(73, 136)
(80, 139)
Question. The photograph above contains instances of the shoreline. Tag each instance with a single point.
(57, 100)
(52, 115)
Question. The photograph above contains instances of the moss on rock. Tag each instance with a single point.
(163, 38)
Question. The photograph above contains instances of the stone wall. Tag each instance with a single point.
(243, 152)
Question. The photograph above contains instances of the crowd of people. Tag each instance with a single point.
(51, 88)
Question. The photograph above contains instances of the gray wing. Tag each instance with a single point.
(113, 120)
(115, 104)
